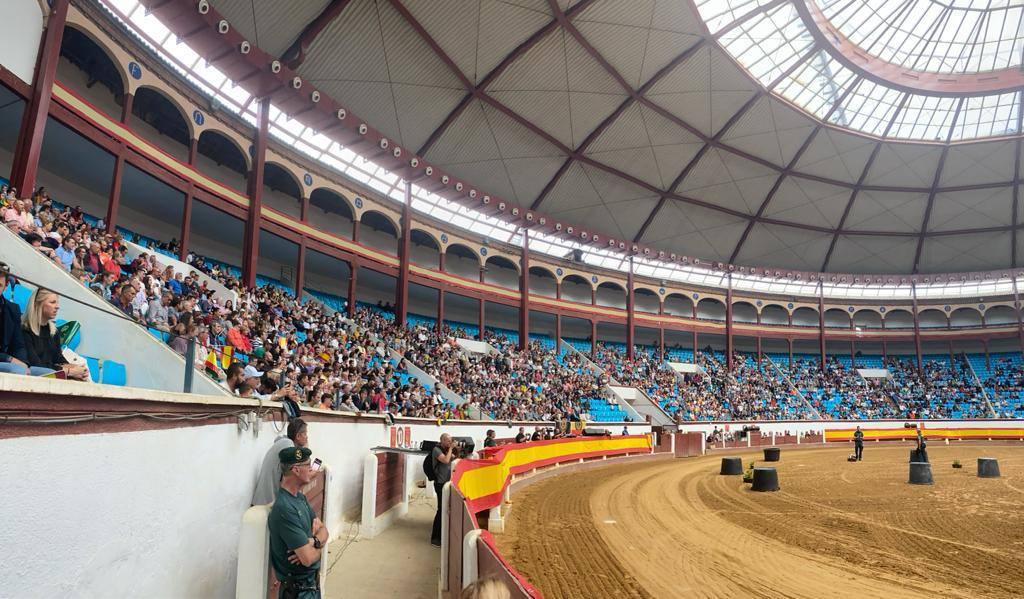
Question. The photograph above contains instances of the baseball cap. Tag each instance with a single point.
(250, 372)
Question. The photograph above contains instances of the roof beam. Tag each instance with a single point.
(1016, 184)
(859, 186)
(935, 186)
(295, 55)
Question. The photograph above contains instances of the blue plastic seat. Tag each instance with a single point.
(94, 368)
(114, 373)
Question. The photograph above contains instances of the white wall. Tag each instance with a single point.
(19, 43)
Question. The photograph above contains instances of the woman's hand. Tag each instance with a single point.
(76, 372)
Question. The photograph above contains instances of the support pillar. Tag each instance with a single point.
(593, 296)
(758, 349)
(304, 210)
(440, 292)
(524, 292)
(352, 278)
(402, 289)
(661, 341)
(114, 197)
(33, 122)
(988, 361)
(630, 311)
(254, 187)
(950, 352)
(694, 316)
(1020, 319)
(917, 325)
(789, 342)
(558, 334)
(355, 231)
(300, 269)
(593, 339)
(728, 324)
(821, 324)
(482, 318)
(186, 223)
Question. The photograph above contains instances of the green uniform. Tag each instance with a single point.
(291, 527)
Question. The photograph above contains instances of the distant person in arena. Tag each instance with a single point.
(269, 480)
(442, 455)
(297, 536)
(858, 444)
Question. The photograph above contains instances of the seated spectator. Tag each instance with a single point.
(157, 314)
(42, 342)
(13, 357)
(66, 253)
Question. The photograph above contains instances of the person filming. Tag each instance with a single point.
(444, 453)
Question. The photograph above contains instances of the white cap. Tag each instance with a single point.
(250, 372)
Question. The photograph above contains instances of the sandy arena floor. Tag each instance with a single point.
(676, 528)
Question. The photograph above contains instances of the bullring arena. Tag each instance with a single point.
(674, 528)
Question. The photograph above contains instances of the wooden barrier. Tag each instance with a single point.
(688, 445)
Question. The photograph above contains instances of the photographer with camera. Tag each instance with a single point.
(444, 453)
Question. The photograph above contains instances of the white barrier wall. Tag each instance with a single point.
(19, 44)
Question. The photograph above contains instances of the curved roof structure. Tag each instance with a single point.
(756, 132)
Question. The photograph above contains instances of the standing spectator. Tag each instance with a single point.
(442, 457)
(269, 479)
(489, 438)
(42, 342)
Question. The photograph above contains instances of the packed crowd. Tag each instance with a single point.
(1005, 386)
(267, 344)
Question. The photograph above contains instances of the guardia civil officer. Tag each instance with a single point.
(297, 536)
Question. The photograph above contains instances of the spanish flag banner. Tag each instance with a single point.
(211, 363)
(226, 353)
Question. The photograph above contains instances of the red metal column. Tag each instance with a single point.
(114, 197)
(355, 231)
(593, 339)
(354, 273)
(694, 312)
(789, 342)
(304, 210)
(186, 213)
(440, 291)
(300, 269)
(988, 362)
(728, 324)
(524, 292)
(33, 122)
(630, 311)
(593, 296)
(251, 247)
(402, 289)
(951, 352)
(1020, 320)
(558, 333)
(661, 340)
(821, 324)
(482, 318)
(917, 325)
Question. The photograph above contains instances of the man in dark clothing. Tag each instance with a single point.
(297, 536)
(858, 443)
(521, 437)
(442, 455)
(489, 440)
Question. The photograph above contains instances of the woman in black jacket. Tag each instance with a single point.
(42, 342)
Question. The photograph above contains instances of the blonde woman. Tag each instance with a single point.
(42, 343)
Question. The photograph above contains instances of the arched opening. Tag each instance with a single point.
(542, 281)
(899, 319)
(774, 314)
(805, 317)
(219, 156)
(161, 122)
(867, 319)
(678, 304)
(379, 232)
(965, 317)
(611, 295)
(576, 289)
(998, 315)
(83, 64)
(744, 312)
(331, 211)
(645, 300)
(710, 309)
(462, 261)
(837, 319)
(281, 190)
(932, 319)
(424, 249)
(500, 271)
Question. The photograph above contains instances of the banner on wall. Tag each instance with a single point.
(400, 436)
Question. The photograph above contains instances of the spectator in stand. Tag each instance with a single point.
(521, 435)
(13, 356)
(157, 314)
(233, 377)
(269, 479)
(489, 440)
(66, 253)
(42, 341)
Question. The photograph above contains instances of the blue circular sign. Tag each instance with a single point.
(483, 251)
(981, 307)
(850, 309)
(882, 309)
(789, 305)
(252, 151)
(946, 308)
(444, 238)
(662, 291)
(198, 117)
(307, 179)
(696, 295)
(135, 70)
(559, 271)
(593, 279)
(759, 302)
(359, 202)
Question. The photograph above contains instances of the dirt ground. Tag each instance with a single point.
(676, 528)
